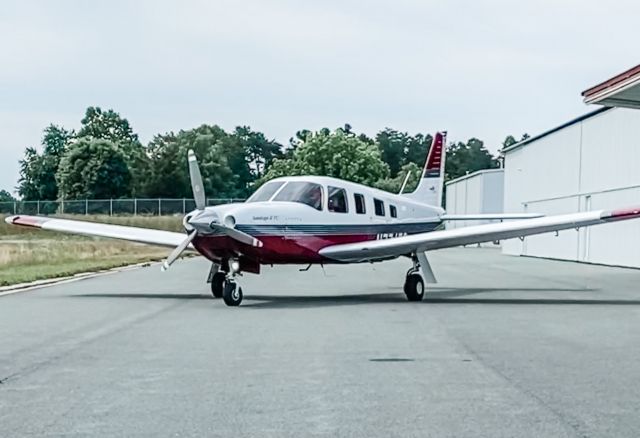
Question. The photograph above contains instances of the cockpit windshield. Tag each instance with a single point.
(303, 192)
(265, 192)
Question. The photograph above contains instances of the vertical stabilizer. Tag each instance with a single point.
(429, 190)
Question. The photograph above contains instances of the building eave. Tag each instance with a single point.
(622, 90)
(554, 130)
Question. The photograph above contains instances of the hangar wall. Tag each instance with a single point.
(478, 192)
(590, 163)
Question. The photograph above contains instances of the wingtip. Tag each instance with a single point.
(10, 219)
(191, 155)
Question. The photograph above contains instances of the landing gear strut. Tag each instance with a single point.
(414, 285)
(223, 282)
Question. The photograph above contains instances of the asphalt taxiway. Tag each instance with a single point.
(501, 347)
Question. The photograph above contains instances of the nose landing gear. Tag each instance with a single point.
(232, 294)
(223, 282)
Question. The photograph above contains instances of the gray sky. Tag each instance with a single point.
(475, 68)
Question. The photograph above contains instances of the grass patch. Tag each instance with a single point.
(32, 254)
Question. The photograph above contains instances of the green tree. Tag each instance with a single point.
(399, 149)
(38, 171)
(94, 169)
(6, 196)
(109, 125)
(258, 150)
(509, 141)
(169, 175)
(230, 162)
(463, 158)
(393, 185)
(338, 154)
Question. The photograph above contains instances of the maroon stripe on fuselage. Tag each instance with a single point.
(275, 249)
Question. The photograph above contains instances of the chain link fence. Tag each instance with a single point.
(111, 207)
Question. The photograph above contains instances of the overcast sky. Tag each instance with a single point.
(475, 68)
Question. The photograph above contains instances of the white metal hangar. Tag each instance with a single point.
(478, 192)
(589, 163)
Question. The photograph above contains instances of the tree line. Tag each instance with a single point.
(105, 159)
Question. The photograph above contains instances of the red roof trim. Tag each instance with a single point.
(612, 82)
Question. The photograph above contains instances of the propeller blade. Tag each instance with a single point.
(178, 251)
(196, 181)
(237, 235)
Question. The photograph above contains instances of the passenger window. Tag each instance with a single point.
(393, 211)
(379, 207)
(360, 207)
(337, 200)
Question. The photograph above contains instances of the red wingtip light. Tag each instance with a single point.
(623, 213)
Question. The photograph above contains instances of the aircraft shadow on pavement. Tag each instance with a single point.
(434, 296)
(144, 295)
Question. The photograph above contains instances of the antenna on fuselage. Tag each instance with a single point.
(404, 184)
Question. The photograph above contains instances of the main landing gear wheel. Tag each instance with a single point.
(217, 284)
(232, 294)
(414, 287)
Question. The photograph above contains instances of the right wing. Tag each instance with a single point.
(386, 248)
(133, 234)
(489, 216)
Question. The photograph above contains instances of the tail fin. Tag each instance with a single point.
(429, 190)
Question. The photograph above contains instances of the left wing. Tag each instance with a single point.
(133, 234)
(380, 249)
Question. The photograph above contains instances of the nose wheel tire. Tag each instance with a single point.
(414, 287)
(232, 294)
(217, 284)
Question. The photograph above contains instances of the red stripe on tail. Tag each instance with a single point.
(434, 159)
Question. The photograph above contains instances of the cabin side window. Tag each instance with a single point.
(379, 207)
(337, 200)
(360, 207)
(392, 211)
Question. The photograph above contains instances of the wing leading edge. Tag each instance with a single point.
(489, 216)
(133, 234)
(379, 249)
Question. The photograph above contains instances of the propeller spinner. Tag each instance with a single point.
(199, 216)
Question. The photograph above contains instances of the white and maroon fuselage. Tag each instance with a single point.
(293, 232)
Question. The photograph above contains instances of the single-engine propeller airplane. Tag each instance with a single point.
(321, 220)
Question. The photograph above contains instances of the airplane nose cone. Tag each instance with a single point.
(201, 221)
